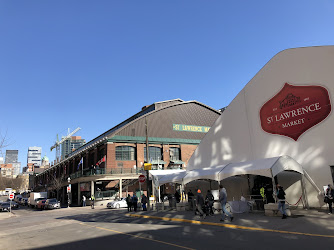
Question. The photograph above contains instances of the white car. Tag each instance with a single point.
(117, 203)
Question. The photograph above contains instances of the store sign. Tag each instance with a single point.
(295, 109)
(190, 128)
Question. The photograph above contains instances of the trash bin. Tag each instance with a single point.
(172, 202)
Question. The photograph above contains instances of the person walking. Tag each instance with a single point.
(134, 202)
(92, 201)
(190, 199)
(223, 201)
(83, 201)
(144, 202)
(281, 201)
(209, 197)
(329, 198)
(129, 203)
(200, 203)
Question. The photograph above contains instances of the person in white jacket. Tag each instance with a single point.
(223, 201)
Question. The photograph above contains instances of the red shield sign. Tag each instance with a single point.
(294, 110)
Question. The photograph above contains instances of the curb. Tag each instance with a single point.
(226, 225)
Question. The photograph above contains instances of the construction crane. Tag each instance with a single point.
(58, 143)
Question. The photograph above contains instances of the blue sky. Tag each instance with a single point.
(92, 64)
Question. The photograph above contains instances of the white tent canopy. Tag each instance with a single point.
(161, 177)
(211, 173)
(268, 167)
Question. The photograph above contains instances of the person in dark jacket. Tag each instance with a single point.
(129, 203)
(144, 202)
(134, 202)
(281, 201)
(210, 199)
(200, 203)
(190, 199)
(329, 198)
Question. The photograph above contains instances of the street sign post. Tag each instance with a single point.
(11, 197)
(142, 178)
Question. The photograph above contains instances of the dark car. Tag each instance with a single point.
(4, 206)
(13, 203)
(52, 204)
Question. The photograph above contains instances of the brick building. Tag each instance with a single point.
(110, 164)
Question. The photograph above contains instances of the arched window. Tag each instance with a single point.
(125, 153)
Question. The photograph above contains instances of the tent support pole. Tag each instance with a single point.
(304, 194)
(274, 186)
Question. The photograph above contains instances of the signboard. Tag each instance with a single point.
(147, 166)
(190, 128)
(142, 178)
(295, 109)
(69, 189)
(11, 196)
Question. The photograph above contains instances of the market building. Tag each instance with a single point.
(110, 164)
(284, 111)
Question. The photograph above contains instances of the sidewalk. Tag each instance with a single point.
(305, 222)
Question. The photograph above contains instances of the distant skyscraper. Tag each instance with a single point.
(71, 145)
(11, 156)
(35, 156)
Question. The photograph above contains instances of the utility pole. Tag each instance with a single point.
(147, 169)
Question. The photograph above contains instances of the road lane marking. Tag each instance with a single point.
(136, 236)
(226, 225)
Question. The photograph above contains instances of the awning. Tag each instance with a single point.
(203, 173)
(177, 162)
(157, 162)
(269, 167)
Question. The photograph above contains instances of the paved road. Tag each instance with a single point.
(84, 228)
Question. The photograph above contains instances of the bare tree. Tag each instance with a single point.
(57, 184)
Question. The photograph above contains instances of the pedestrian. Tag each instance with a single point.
(177, 196)
(190, 199)
(83, 201)
(134, 202)
(200, 203)
(281, 201)
(92, 201)
(129, 203)
(223, 201)
(329, 198)
(144, 202)
(210, 199)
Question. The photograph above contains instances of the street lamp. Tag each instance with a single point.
(68, 191)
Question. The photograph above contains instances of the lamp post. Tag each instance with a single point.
(68, 191)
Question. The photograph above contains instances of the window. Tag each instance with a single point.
(174, 154)
(125, 153)
(155, 153)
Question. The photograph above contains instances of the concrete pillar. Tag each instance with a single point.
(120, 188)
(79, 195)
(92, 188)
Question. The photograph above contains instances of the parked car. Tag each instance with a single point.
(117, 203)
(24, 201)
(52, 204)
(41, 204)
(4, 206)
(14, 204)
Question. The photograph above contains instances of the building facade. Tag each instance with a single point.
(12, 156)
(113, 161)
(6, 170)
(34, 156)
